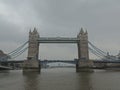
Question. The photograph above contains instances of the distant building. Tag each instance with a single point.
(118, 56)
(3, 56)
(112, 57)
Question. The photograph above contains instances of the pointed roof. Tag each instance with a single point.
(81, 31)
(86, 32)
(30, 31)
(108, 54)
(35, 30)
(2, 53)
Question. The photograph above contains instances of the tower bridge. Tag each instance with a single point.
(32, 63)
(83, 62)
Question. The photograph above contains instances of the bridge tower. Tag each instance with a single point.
(32, 62)
(83, 52)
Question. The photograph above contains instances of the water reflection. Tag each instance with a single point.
(59, 79)
(54, 80)
(85, 82)
(31, 81)
(4, 71)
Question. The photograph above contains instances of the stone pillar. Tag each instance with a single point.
(32, 63)
(83, 52)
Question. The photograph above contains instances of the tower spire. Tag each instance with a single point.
(30, 31)
(81, 31)
(35, 30)
(86, 32)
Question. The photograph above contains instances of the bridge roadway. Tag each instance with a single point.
(58, 40)
(96, 65)
(4, 68)
(64, 61)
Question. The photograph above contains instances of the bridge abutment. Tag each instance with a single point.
(32, 63)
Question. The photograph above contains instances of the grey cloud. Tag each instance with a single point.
(62, 18)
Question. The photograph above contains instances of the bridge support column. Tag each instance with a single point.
(32, 63)
(83, 64)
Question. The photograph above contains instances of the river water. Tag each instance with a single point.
(60, 79)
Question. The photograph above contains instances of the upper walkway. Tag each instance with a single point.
(58, 40)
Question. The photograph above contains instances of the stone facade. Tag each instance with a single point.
(32, 62)
(83, 52)
(84, 64)
(33, 50)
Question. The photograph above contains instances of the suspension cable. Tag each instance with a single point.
(95, 53)
(18, 49)
(18, 54)
(97, 49)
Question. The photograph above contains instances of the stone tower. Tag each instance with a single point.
(32, 63)
(83, 64)
(83, 53)
(33, 48)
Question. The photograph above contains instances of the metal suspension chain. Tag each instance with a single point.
(97, 49)
(18, 54)
(95, 53)
(18, 49)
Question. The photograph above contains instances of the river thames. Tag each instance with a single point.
(60, 79)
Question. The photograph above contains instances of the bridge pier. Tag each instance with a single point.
(32, 62)
(31, 65)
(83, 64)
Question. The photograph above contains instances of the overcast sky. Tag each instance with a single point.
(60, 18)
